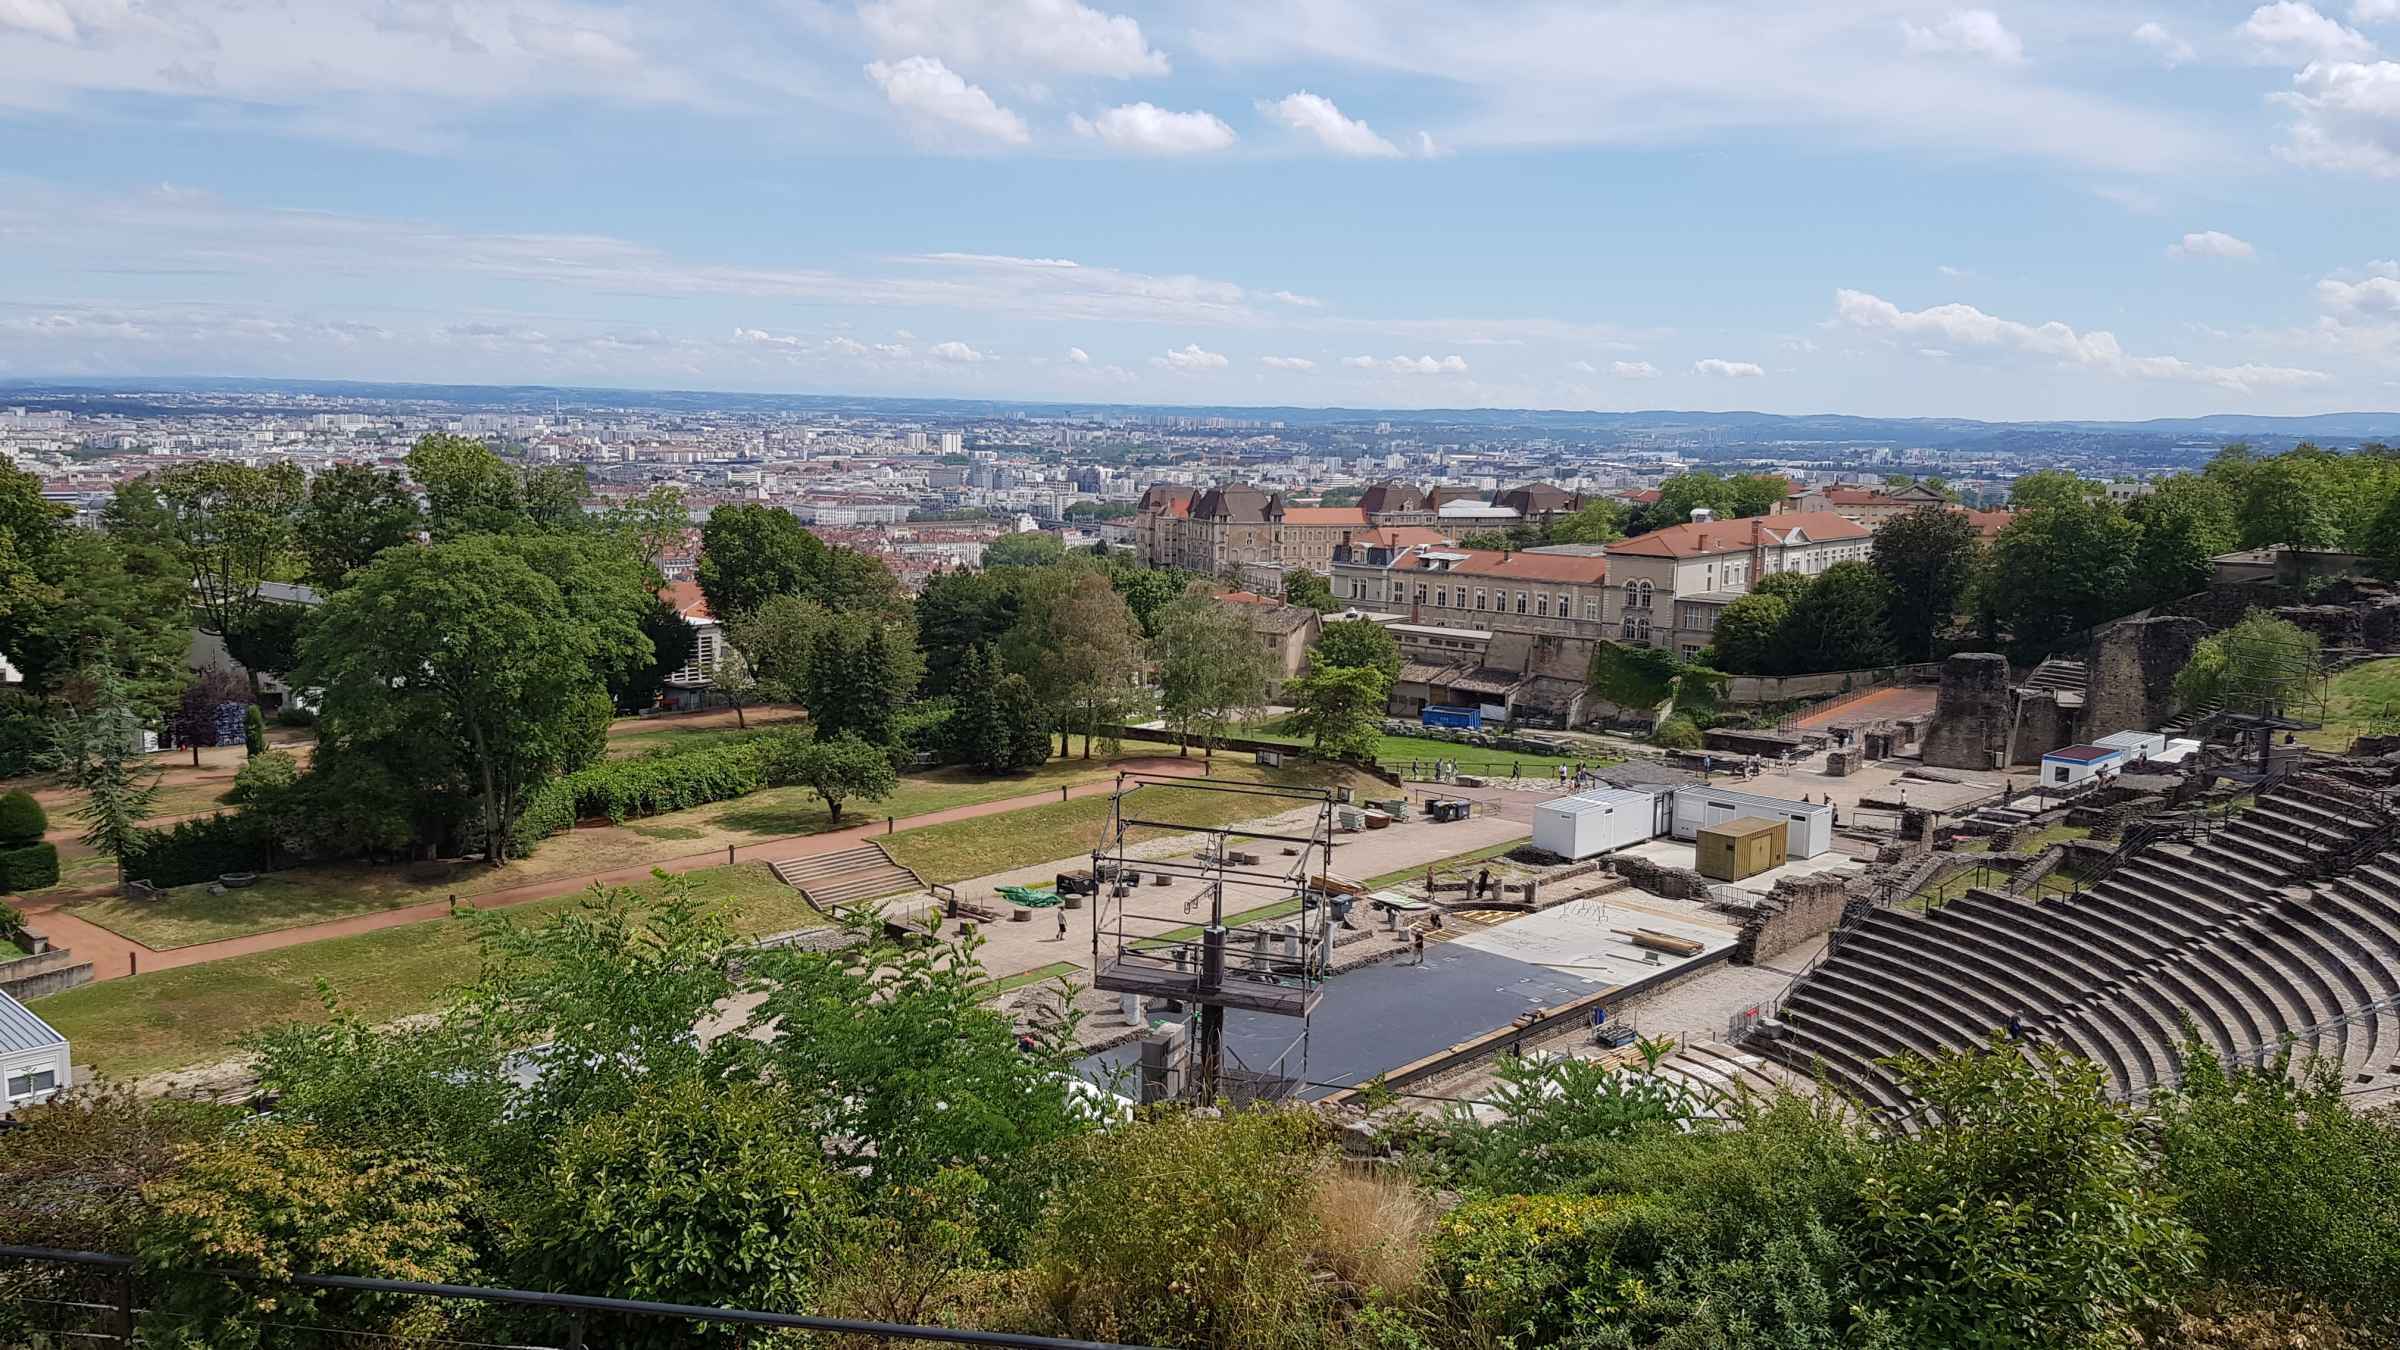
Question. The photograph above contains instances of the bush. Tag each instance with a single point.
(292, 715)
(29, 868)
(1677, 733)
(263, 777)
(254, 729)
(1524, 1269)
(1182, 1231)
(624, 789)
(923, 728)
(200, 849)
(696, 1193)
(22, 820)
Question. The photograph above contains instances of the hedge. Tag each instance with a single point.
(622, 789)
(22, 820)
(29, 868)
(201, 849)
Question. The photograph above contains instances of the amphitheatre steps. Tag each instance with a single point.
(845, 876)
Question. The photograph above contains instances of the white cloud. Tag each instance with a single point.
(935, 95)
(1583, 367)
(1147, 129)
(1288, 298)
(2172, 50)
(2375, 11)
(1287, 362)
(958, 352)
(2375, 296)
(1079, 356)
(2289, 29)
(1316, 115)
(1190, 357)
(42, 18)
(1052, 36)
(1427, 146)
(2211, 244)
(1967, 32)
(1633, 370)
(1967, 326)
(2345, 117)
(1410, 365)
(1730, 370)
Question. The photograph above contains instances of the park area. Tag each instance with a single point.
(2361, 701)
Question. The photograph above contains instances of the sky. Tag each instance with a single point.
(2051, 208)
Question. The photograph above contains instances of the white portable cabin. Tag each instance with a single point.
(34, 1064)
(2079, 764)
(2135, 744)
(1602, 820)
(1809, 829)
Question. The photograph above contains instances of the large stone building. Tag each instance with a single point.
(1562, 594)
(1666, 588)
(1219, 530)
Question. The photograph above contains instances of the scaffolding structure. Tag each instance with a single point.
(1192, 958)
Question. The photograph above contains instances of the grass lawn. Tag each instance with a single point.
(309, 895)
(649, 739)
(2363, 700)
(10, 951)
(965, 849)
(996, 988)
(194, 1015)
(1991, 878)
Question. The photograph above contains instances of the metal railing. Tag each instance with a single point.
(115, 1311)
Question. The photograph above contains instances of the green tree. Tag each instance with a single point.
(95, 594)
(894, 1062)
(779, 641)
(268, 640)
(277, 1199)
(1024, 724)
(1079, 649)
(1600, 521)
(1306, 588)
(974, 732)
(1148, 590)
(2020, 1209)
(673, 641)
(2383, 538)
(351, 513)
(709, 1194)
(2289, 503)
(861, 669)
(1842, 623)
(1029, 548)
(653, 524)
(1357, 642)
(733, 677)
(2059, 568)
(750, 552)
(604, 587)
(1340, 709)
(470, 645)
(1757, 494)
(1926, 557)
(231, 526)
(959, 610)
(98, 750)
(2054, 487)
(468, 489)
(1213, 672)
(1632, 676)
(554, 496)
(1785, 586)
(1749, 636)
(841, 769)
(2186, 520)
(2262, 664)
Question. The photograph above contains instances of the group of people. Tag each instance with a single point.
(1580, 776)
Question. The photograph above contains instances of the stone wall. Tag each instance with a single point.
(2334, 625)
(2133, 670)
(51, 972)
(1676, 883)
(2043, 726)
(1970, 715)
(1798, 909)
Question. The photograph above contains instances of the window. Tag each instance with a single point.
(1563, 611)
(2059, 774)
(1441, 596)
(1690, 650)
(23, 1087)
(1541, 606)
(1521, 602)
(1420, 592)
(1479, 597)
(1591, 608)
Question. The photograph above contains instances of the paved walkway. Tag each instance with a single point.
(1908, 700)
(114, 956)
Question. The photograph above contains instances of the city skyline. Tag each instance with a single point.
(2019, 213)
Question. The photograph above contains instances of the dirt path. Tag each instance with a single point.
(114, 956)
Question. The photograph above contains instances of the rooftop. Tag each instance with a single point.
(20, 1030)
(1701, 539)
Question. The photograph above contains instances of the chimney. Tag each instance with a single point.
(1702, 515)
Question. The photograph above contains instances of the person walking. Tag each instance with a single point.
(1416, 944)
(1062, 921)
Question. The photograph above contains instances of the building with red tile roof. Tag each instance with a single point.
(1666, 588)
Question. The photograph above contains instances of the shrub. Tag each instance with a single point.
(923, 728)
(29, 868)
(1677, 733)
(1524, 1269)
(254, 729)
(696, 1193)
(1182, 1231)
(262, 777)
(293, 715)
(22, 820)
(276, 1199)
(623, 789)
(200, 849)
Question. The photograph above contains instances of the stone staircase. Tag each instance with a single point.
(2061, 676)
(2240, 938)
(847, 876)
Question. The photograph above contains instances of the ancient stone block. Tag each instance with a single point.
(2134, 665)
(1970, 715)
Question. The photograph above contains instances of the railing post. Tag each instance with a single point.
(120, 1313)
(574, 1332)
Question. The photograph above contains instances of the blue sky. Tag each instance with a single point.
(2030, 210)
